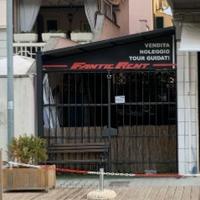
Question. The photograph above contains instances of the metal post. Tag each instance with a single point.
(10, 91)
(40, 130)
(1, 176)
(109, 76)
(101, 179)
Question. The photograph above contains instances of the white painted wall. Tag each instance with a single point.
(2, 28)
(24, 108)
(188, 125)
(2, 13)
(2, 43)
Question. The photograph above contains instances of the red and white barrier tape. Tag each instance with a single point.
(75, 171)
(11, 163)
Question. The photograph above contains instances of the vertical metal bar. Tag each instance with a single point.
(142, 122)
(136, 116)
(50, 130)
(124, 118)
(174, 62)
(75, 101)
(156, 134)
(95, 107)
(130, 99)
(68, 102)
(55, 106)
(89, 108)
(170, 137)
(61, 108)
(82, 107)
(109, 76)
(39, 95)
(115, 91)
(156, 75)
(123, 105)
(162, 98)
(149, 97)
(101, 103)
(10, 89)
(149, 119)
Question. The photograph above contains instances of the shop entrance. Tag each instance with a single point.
(132, 111)
(111, 103)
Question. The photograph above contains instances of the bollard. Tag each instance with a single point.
(101, 193)
(1, 177)
(101, 179)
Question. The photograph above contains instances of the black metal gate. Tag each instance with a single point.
(133, 111)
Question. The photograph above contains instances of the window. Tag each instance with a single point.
(109, 10)
(52, 25)
(159, 22)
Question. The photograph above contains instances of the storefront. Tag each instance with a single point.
(121, 92)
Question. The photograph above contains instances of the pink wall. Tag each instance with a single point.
(110, 30)
(123, 17)
(140, 15)
(134, 16)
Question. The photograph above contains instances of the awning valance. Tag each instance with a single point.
(190, 37)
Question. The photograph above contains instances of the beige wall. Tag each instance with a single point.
(140, 15)
(159, 12)
(2, 13)
(167, 18)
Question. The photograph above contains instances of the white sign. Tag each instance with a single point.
(119, 99)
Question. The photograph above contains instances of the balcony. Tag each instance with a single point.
(28, 49)
(25, 44)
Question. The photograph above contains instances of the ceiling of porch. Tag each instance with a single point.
(185, 4)
(62, 2)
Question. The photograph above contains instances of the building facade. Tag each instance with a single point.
(187, 24)
(102, 19)
(162, 14)
(91, 21)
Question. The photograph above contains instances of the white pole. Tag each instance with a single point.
(101, 179)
